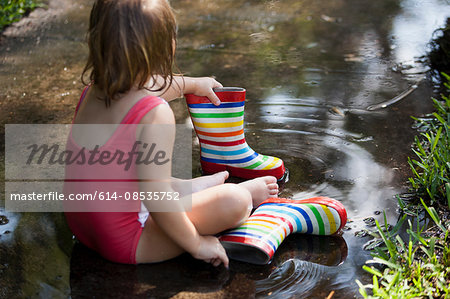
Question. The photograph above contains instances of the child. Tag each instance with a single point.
(131, 56)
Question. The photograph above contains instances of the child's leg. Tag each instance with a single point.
(213, 210)
(257, 187)
(208, 181)
(199, 183)
(260, 188)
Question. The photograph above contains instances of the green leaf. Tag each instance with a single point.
(417, 236)
(375, 287)
(411, 253)
(439, 118)
(387, 263)
(391, 248)
(434, 215)
(436, 139)
(447, 190)
(362, 289)
(427, 251)
(373, 271)
(393, 281)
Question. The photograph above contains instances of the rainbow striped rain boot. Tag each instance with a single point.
(256, 240)
(220, 130)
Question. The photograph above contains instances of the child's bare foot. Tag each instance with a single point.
(261, 189)
(207, 181)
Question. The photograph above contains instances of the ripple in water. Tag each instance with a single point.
(293, 277)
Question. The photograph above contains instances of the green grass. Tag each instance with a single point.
(431, 168)
(12, 10)
(420, 266)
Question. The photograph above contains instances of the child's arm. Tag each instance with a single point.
(201, 86)
(159, 128)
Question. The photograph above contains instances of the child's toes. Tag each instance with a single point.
(270, 180)
(223, 175)
(272, 186)
(273, 189)
(273, 193)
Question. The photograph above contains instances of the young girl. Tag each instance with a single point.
(131, 56)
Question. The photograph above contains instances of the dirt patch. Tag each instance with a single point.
(41, 61)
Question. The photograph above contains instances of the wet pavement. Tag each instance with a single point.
(311, 70)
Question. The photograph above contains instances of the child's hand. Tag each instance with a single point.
(204, 87)
(211, 251)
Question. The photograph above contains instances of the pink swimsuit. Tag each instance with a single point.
(115, 235)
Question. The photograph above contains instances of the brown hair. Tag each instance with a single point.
(130, 42)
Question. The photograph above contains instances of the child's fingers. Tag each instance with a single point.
(223, 257)
(216, 262)
(213, 98)
(217, 84)
(211, 251)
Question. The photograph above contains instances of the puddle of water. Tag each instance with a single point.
(417, 19)
(35, 250)
(311, 69)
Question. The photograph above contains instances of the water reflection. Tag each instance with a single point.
(305, 260)
(34, 256)
(301, 279)
(309, 131)
(161, 280)
(418, 19)
(311, 68)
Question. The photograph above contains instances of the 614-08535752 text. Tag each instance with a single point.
(58, 196)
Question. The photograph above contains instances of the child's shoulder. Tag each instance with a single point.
(155, 110)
